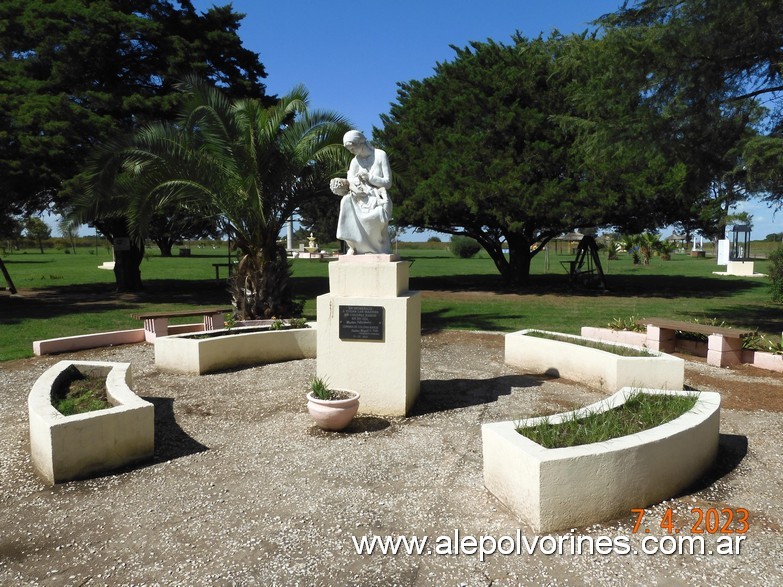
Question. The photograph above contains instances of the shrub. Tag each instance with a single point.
(434, 239)
(776, 274)
(629, 324)
(464, 247)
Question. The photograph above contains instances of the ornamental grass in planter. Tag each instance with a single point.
(571, 486)
(641, 411)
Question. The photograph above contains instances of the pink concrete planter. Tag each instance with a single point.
(762, 360)
(717, 350)
(615, 336)
(67, 344)
(691, 347)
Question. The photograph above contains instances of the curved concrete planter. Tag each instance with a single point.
(235, 349)
(555, 489)
(593, 367)
(72, 447)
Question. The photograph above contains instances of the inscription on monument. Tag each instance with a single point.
(361, 322)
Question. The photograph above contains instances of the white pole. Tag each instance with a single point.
(290, 234)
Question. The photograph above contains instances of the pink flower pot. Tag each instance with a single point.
(334, 414)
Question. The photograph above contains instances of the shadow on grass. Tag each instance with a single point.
(764, 318)
(26, 262)
(450, 394)
(97, 298)
(438, 320)
(621, 286)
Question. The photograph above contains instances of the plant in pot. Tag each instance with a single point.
(331, 409)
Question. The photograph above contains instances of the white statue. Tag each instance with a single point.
(365, 209)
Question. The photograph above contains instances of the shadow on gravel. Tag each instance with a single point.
(362, 424)
(732, 448)
(451, 394)
(171, 441)
(359, 425)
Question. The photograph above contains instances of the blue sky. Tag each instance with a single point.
(350, 55)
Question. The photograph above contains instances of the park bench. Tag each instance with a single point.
(217, 267)
(724, 345)
(157, 323)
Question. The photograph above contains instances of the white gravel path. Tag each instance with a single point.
(245, 491)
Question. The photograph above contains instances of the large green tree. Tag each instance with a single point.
(173, 224)
(496, 146)
(76, 72)
(37, 231)
(711, 66)
(235, 159)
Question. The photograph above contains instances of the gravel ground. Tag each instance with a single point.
(243, 490)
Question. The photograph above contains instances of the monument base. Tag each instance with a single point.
(740, 268)
(369, 334)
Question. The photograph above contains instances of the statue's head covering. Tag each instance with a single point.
(355, 137)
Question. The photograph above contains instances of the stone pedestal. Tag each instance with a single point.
(723, 351)
(740, 268)
(369, 333)
(661, 340)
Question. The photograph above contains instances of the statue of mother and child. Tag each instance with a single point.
(365, 208)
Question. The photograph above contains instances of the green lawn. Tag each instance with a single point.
(67, 294)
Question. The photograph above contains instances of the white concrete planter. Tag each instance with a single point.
(72, 447)
(240, 347)
(555, 489)
(593, 367)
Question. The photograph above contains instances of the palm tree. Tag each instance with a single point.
(630, 243)
(236, 159)
(666, 248)
(648, 244)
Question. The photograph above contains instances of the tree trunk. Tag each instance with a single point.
(261, 287)
(127, 268)
(165, 245)
(518, 259)
(127, 261)
(515, 270)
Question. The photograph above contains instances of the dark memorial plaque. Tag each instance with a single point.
(361, 322)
